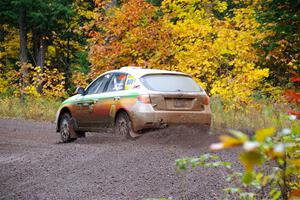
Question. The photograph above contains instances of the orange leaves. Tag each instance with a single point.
(292, 95)
(219, 52)
(295, 79)
(295, 195)
(130, 35)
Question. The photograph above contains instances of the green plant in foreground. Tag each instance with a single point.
(271, 161)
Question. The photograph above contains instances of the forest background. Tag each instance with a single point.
(242, 53)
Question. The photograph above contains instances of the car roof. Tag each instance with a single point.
(138, 72)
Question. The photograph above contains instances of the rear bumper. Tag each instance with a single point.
(144, 116)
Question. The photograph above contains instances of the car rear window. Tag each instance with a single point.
(170, 83)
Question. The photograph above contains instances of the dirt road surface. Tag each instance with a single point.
(35, 165)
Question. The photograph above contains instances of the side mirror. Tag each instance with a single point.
(80, 90)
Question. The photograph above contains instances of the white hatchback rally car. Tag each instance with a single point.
(133, 99)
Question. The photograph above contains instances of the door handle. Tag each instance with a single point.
(86, 104)
(91, 105)
(116, 98)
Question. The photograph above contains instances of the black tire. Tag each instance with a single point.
(65, 130)
(80, 134)
(123, 126)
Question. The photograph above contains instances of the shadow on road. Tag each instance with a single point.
(183, 136)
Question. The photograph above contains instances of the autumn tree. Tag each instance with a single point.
(49, 36)
(280, 51)
(132, 34)
(211, 40)
(9, 55)
(15, 13)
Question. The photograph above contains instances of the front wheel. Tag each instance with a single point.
(123, 126)
(65, 129)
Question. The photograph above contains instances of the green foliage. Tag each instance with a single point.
(56, 25)
(43, 16)
(280, 51)
(206, 160)
(270, 159)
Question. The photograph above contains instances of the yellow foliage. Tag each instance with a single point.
(199, 37)
(9, 51)
(251, 159)
(53, 82)
(237, 90)
(3, 85)
(229, 141)
(9, 47)
(218, 52)
(80, 79)
(261, 134)
(30, 90)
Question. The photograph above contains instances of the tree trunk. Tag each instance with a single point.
(68, 64)
(35, 45)
(40, 62)
(23, 48)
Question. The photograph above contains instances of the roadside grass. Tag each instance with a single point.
(248, 119)
(261, 114)
(39, 109)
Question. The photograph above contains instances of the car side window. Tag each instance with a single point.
(130, 82)
(102, 86)
(93, 87)
(117, 82)
(99, 85)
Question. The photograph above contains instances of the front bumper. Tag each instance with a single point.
(143, 116)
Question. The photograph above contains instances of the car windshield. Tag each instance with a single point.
(170, 83)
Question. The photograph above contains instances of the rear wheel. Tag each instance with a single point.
(123, 126)
(80, 133)
(65, 129)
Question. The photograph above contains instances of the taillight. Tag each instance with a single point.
(206, 100)
(144, 99)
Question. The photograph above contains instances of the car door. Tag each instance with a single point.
(86, 104)
(100, 107)
(113, 96)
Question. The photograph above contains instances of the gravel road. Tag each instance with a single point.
(35, 165)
